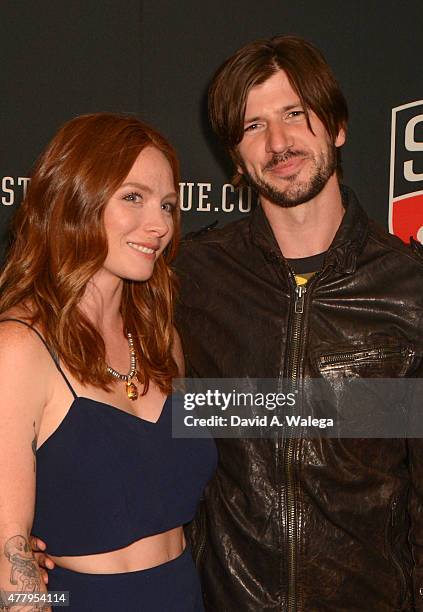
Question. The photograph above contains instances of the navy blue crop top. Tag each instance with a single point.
(106, 478)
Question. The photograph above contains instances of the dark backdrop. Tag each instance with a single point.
(155, 58)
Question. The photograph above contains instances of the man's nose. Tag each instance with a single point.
(278, 138)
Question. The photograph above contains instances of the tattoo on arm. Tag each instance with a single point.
(34, 445)
(24, 572)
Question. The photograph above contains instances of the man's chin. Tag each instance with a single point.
(289, 198)
(295, 193)
(286, 202)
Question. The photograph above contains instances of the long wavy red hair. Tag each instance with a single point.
(59, 243)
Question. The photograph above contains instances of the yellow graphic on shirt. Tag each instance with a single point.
(300, 280)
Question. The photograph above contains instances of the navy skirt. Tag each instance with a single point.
(173, 586)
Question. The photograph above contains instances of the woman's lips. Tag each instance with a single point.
(147, 251)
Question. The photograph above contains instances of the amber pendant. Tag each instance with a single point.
(131, 390)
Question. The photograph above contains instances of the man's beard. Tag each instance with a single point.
(295, 192)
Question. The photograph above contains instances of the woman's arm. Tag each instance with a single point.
(24, 379)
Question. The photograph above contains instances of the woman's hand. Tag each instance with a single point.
(43, 560)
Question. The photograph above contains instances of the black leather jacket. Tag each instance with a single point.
(307, 525)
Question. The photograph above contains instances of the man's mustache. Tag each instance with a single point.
(283, 157)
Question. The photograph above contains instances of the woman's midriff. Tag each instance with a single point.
(142, 554)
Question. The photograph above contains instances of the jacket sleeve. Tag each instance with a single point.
(195, 533)
(415, 455)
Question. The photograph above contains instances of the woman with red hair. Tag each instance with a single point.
(87, 356)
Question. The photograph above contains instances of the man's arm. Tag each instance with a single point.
(415, 457)
(416, 515)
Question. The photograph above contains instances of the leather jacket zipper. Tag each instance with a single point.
(300, 292)
(291, 527)
(363, 355)
(292, 374)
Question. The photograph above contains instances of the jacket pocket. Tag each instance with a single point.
(385, 361)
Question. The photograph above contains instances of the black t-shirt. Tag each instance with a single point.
(305, 267)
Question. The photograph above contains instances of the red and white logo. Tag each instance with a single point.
(406, 180)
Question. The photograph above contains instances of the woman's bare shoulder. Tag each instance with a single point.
(25, 365)
(19, 343)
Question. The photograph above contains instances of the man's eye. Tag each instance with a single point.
(296, 113)
(252, 127)
(133, 197)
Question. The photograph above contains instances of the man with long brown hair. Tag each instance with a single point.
(305, 287)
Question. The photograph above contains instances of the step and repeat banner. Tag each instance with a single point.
(155, 58)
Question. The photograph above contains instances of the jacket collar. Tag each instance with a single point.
(348, 242)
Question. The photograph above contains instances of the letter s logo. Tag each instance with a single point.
(406, 172)
(412, 145)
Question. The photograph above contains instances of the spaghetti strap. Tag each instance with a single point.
(52, 353)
